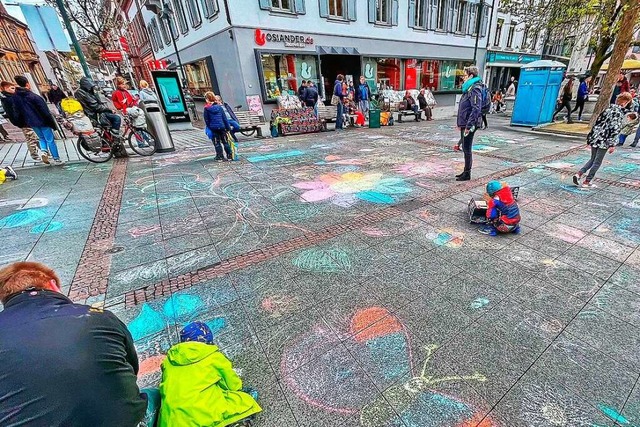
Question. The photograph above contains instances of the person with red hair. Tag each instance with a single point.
(63, 364)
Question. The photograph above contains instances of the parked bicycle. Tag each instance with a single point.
(99, 146)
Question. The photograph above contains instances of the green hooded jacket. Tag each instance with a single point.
(200, 388)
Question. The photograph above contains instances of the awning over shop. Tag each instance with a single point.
(628, 64)
(505, 64)
(336, 50)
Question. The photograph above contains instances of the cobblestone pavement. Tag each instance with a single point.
(341, 275)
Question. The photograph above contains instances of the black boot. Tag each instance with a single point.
(465, 176)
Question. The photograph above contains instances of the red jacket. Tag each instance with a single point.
(122, 100)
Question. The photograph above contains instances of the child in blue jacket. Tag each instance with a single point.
(218, 125)
(503, 213)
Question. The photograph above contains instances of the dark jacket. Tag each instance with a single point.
(337, 89)
(32, 109)
(310, 96)
(229, 110)
(301, 90)
(215, 119)
(583, 91)
(56, 95)
(470, 107)
(65, 364)
(363, 92)
(422, 102)
(90, 101)
(408, 102)
(9, 109)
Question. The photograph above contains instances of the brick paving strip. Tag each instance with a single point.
(92, 275)
(187, 280)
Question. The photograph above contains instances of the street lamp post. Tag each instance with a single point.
(166, 14)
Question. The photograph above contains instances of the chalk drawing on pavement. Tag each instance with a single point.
(323, 260)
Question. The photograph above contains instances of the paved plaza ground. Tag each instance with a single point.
(340, 273)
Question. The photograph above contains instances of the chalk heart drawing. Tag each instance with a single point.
(323, 260)
(425, 169)
(370, 187)
(179, 308)
(385, 347)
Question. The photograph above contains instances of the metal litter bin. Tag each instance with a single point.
(158, 126)
(374, 118)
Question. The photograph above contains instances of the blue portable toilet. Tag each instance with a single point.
(537, 94)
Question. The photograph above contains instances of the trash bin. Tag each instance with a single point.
(158, 126)
(374, 118)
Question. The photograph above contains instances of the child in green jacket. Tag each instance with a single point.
(199, 386)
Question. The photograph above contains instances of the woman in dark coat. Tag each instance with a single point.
(565, 100)
(469, 116)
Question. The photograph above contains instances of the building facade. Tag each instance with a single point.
(511, 45)
(137, 38)
(243, 48)
(17, 54)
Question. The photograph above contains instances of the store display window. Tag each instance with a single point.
(285, 72)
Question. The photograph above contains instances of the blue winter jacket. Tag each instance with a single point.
(583, 90)
(470, 108)
(32, 109)
(215, 119)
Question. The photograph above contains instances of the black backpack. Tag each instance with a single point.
(486, 99)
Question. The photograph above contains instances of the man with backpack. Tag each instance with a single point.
(310, 95)
(474, 97)
(7, 92)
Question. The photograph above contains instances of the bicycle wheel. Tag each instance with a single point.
(248, 132)
(142, 142)
(94, 155)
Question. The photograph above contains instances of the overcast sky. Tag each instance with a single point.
(15, 10)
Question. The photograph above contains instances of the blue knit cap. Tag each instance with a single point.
(493, 187)
(196, 331)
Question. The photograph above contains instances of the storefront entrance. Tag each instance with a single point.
(501, 77)
(332, 65)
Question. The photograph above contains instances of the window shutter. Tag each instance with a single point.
(394, 12)
(372, 11)
(324, 8)
(300, 8)
(351, 10)
(412, 13)
(472, 20)
(265, 4)
(433, 14)
(485, 20)
(453, 26)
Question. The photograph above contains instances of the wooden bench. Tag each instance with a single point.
(327, 113)
(398, 108)
(249, 122)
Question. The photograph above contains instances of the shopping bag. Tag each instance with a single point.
(335, 100)
(233, 145)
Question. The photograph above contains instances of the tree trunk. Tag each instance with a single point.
(599, 56)
(625, 35)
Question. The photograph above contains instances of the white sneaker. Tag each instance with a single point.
(588, 184)
(44, 156)
(58, 162)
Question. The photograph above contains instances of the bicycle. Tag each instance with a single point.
(98, 147)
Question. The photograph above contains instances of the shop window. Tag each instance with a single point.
(284, 73)
(194, 13)
(198, 77)
(451, 75)
(498, 37)
(511, 34)
(382, 73)
(210, 8)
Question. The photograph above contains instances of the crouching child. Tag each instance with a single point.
(503, 214)
(199, 385)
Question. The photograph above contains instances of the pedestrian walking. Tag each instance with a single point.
(33, 111)
(3, 131)
(469, 116)
(7, 94)
(338, 100)
(564, 101)
(363, 96)
(621, 86)
(146, 93)
(603, 137)
(582, 97)
(55, 96)
(217, 124)
(511, 90)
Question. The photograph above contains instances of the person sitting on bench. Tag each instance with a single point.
(503, 214)
(410, 104)
(199, 385)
